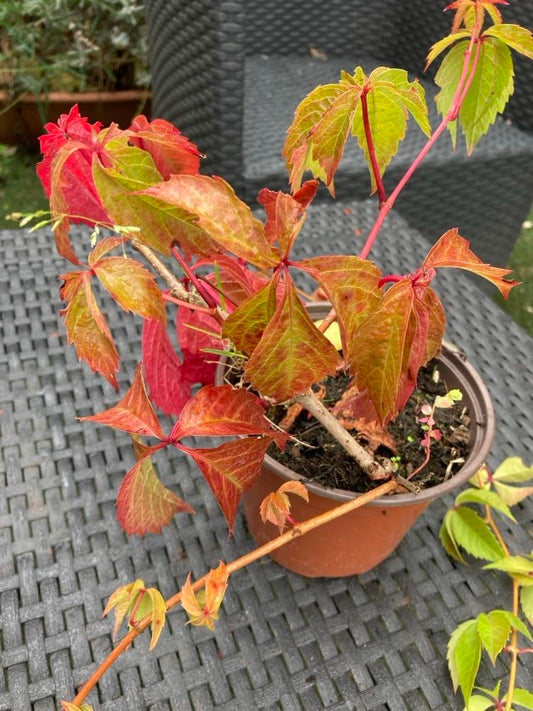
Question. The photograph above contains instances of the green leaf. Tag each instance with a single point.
(473, 534)
(523, 697)
(526, 602)
(487, 498)
(514, 36)
(513, 470)
(292, 354)
(448, 541)
(516, 622)
(464, 657)
(391, 98)
(518, 567)
(488, 93)
(494, 630)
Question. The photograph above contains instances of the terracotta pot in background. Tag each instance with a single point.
(22, 123)
(359, 540)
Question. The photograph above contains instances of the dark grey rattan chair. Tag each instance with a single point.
(230, 73)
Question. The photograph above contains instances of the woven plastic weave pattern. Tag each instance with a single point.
(374, 642)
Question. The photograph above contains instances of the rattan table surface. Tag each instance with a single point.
(376, 641)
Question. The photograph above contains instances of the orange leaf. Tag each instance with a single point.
(352, 286)
(292, 354)
(220, 410)
(452, 250)
(285, 214)
(219, 213)
(132, 286)
(172, 152)
(276, 507)
(144, 504)
(202, 607)
(86, 327)
(230, 469)
(133, 413)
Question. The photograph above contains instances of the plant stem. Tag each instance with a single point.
(300, 530)
(176, 287)
(366, 461)
(371, 151)
(463, 85)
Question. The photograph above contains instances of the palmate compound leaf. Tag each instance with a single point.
(230, 469)
(133, 413)
(464, 657)
(292, 353)
(488, 93)
(86, 327)
(511, 471)
(452, 250)
(122, 186)
(317, 136)
(276, 506)
(202, 607)
(137, 601)
(144, 504)
(391, 99)
(220, 214)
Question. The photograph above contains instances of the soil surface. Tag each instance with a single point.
(326, 462)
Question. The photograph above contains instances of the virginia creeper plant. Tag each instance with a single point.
(228, 285)
(496, 632)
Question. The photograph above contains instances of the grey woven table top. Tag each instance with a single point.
(376, 641)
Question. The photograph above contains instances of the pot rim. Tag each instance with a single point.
(79, 96)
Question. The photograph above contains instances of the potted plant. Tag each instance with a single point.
(56, 54)
(228, 284)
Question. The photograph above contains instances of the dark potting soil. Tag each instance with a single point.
(327, 463)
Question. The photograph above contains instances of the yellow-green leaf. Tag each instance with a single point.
(519, 567)
(471, 532)
(514, 36)
(464, 656)
(245, 326)
(494, 630)
(486, 498)
(479, 703)
(443, 44)
(159, 613)
(513, 470)
(123, 600)
(523, 697)
(448, 541)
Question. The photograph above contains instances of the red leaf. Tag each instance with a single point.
(198, 366)
(292, 354)
(224, 411)
(230, 469)
(352, 286)
(144, 505)
(169, 390)
(132, 286)
(172, 152)
(452, 250)
(285, 213)
(134, 413)
(86, 327)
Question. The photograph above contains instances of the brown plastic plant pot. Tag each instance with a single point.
(22, 120)
(359, 540)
